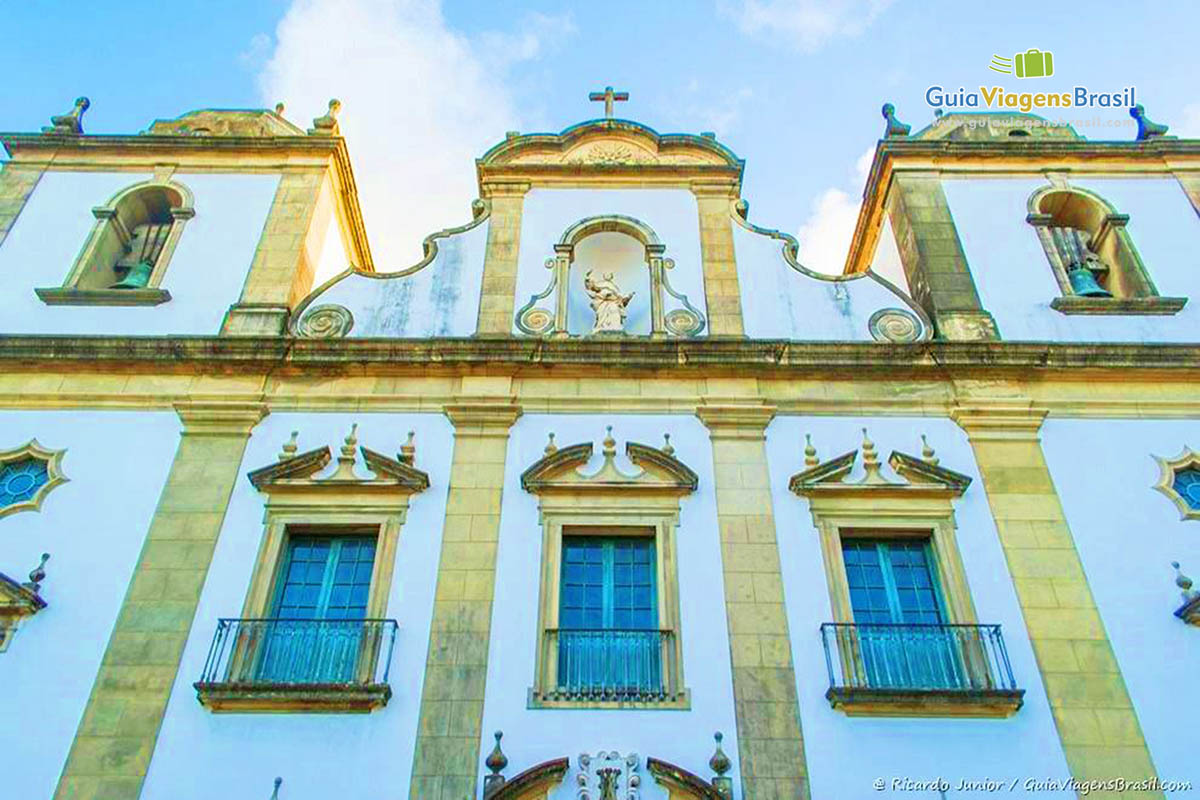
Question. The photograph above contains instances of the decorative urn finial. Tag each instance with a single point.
(496, 762)
(667, 447)
(37, 575)
(1185, 584)
(70, 123)
(290, 447)
(894, 126)
(927, 453)
(810, 452)
(1146, 129)
(345, 461)
(408, 450)
(719, 763)
(551, 448)
(610, 444)
(279, 107)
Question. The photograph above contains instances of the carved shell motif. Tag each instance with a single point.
(894, 325)
(328, 321)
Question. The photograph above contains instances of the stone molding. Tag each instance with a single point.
(202, 418)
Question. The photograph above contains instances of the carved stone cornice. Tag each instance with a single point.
(1008, 421)
(736, 420)
(211, 418)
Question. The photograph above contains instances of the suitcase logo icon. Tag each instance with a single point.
(1033, 63)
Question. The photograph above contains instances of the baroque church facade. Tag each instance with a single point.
(608, 496)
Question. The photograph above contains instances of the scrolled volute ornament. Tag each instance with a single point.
(894, 325)
(329, 321)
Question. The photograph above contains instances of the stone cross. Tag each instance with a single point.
(609, 97)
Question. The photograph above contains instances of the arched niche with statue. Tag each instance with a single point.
(606, 280)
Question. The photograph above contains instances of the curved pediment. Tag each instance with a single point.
(608, 144)
(562, 469)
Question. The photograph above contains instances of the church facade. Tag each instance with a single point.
(608, 496)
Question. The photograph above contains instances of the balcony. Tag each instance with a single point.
(609, 668)
(919, 670)
(325, 665)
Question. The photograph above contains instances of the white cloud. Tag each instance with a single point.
(805, 24)
(825, 235)
(1188, 126)
(420, 103)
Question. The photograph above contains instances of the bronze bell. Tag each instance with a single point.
(138, 276)
(1083, 283)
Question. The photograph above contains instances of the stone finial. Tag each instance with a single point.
(810, 452)
(279, 107)
(927, 452)
(610, 444)
(719, 763)
(408, 450)
(37, 575)
(345, 461)
(290, 447)
(1185, 584)
(496, 762)
(894, 126)
(667, 447)
(871, 460)
(275, 793)
(328, 124)
(70, 123)
(551, 448)
(1146, 129)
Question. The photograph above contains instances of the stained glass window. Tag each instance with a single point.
(1187, 484)
(20, 480)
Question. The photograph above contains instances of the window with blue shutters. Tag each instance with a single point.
(609, 642)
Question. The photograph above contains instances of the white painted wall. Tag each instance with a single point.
(333, 259)
(887, 263)
(1015, 281)
(547, 213)
(205, 275)
(1127, 535)
(846, 754)
(201, 755)
(532, 736)
(440, 299)
(93, 528)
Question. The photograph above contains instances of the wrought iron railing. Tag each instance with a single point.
(615, 665)
(917, 657)
(300, 652)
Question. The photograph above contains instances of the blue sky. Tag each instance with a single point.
(792, 86)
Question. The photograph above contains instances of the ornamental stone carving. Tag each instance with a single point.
(328, 321)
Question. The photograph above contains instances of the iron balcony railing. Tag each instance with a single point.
(610, 665)
(917, 657)
(300, 652)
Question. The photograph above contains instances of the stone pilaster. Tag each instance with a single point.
(282, 271)
(446, 761)
(722, 296)
(116, 737)
(770, 745)
(933, 258)
(17, 182)
(1096, 721)
(497, 300)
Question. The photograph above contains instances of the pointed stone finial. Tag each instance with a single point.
(927, 452)
(810, 452)
(894, 126)
(551, 448)
(408, 450)
(328, 124)
(345, 461)
(719, 763)
(279, 109)
(496, 762)
(70, 123)
(1185, 584)
(37, 575)
(275, 794)
(290, 447)
(1146, 129)
(350, 441)
(610, 444)
(871, 460)
(667, 447)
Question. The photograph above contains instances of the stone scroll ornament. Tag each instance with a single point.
(329, 321)
(894, 325)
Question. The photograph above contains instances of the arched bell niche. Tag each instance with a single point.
(623, 256)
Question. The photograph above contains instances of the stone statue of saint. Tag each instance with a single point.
(608, 303)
